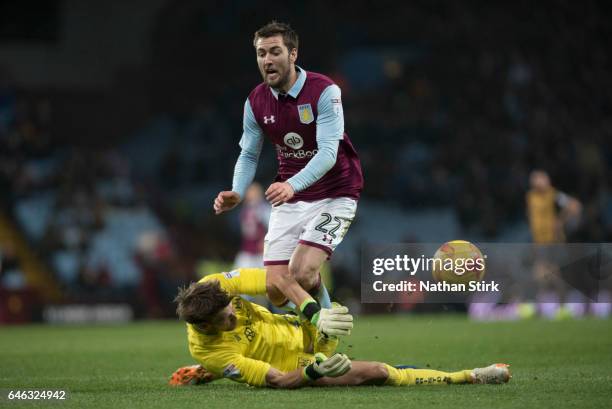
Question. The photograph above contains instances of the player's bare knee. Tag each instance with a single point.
(374, 373)
(379, 371)
(308, 280)
(277, 279)
(276, 297)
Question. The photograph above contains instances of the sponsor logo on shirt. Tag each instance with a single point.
(293, 154)
(249, 332)
(293, 140)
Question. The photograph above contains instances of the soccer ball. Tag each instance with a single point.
(459, 262)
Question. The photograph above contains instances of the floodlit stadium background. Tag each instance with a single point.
(120, 121)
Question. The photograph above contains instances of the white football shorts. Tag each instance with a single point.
(322, 224)
(246, 259)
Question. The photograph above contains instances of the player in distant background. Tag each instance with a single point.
(549, 210)
(233, 338)
(254, 217)
(551, 213)
(319, 178)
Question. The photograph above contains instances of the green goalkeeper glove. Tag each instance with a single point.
(330, 321)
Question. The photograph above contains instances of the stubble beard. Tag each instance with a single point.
(282, 81)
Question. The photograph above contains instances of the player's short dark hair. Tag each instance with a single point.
(273, 28)
(199, 302)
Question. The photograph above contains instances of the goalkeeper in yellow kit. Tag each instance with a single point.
(233, 338)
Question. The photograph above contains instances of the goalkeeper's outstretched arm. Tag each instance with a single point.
(255, 281)
(334, 366)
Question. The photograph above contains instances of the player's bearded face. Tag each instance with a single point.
(275, 61)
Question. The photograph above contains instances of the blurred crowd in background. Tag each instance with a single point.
(450, 106)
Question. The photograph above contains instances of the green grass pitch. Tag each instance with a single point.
(555, 364)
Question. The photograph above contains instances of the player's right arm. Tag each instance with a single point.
(570, 206)
(251, 144)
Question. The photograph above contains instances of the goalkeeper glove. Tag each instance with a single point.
(330, 321)
(336, 365)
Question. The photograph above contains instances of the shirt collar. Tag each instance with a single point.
(297, 87)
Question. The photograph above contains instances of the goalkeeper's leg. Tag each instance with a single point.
(377, 373)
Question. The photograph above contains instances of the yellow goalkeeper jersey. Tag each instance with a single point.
(260, 340)
(543, 216)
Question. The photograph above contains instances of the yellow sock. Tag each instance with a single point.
(409, 376)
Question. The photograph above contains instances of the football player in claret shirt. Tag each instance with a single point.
(254, 216)
(233, 338)
(319, 180)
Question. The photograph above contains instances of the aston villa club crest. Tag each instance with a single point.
(306, 115)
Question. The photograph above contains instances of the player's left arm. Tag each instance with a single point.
(255, 281)
(330, 131)
(249, 281)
